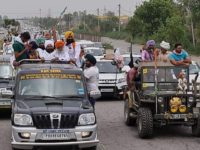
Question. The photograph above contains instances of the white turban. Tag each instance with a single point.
(48, 42)
(165, 45)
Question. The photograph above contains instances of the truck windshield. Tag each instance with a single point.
(55, 85)
(6, 71)
(167, 78)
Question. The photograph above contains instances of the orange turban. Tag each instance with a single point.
(59, 44)
(69, 33)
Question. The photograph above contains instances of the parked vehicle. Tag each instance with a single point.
(51, 107)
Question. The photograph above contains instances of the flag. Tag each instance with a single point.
(63, 11)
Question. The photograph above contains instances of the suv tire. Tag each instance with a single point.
(145, 122)
(196, 128)
(127, 117)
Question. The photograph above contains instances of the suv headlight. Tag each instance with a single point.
(23, 120)
(121, 80)
(86, 119)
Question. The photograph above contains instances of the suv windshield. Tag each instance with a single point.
(106, 67)
(54, 85)
(194, 68)
(6, 71)
(94, 52)
(167, 78)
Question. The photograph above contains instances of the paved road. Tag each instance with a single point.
(115, 135)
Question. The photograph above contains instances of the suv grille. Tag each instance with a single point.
(44, 121)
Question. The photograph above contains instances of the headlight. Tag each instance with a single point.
(121, 80)
(86, 119)
(23, 120)
(160, 99)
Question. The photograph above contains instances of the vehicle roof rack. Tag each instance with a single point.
(41, 61)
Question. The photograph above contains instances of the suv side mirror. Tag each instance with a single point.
(95, 94)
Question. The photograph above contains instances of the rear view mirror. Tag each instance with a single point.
(95, 94)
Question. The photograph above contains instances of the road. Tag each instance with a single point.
(115, 135)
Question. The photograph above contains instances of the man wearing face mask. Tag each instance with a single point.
(59, 53)
(72, 48)
(20, 48)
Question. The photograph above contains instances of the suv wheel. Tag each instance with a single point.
(127, 115)
(145, 123)
(196, 128)
(90, 148)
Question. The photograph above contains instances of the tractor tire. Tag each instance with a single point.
(129, 121)
(196, 128)
(145, 123)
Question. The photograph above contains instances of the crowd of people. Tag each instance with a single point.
(149, 53)
(51, 49)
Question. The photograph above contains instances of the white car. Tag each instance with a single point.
(96, 52)
(85, 43)
(127, 59)
(111, 80)
(193, 70)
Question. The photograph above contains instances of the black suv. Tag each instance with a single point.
(51, 108)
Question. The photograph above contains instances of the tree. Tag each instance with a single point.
(151, 15)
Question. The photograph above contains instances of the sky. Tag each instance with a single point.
(29, 8)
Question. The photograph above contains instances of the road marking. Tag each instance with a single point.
(101, 147)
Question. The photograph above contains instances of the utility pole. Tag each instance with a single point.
(84, 19)
(119, 17)
(40, 18)
(98, 20)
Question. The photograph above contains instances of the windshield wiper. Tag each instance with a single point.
(71, 96)
(39, 97)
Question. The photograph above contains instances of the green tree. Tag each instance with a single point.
(150, 16)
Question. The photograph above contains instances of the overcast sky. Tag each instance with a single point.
(27, 8)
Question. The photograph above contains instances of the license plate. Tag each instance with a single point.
(107, 90)
(57, 135)
(176, 116)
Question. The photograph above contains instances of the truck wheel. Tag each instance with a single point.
(127, 117)
(91, 148)
(145, 123)
(196, 128)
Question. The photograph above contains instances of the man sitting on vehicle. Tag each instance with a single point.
(20, 49)
(49, 48)
(59, 53)
(179, 56)
(33, 53)
(151, 52)
(73, 49)
(164, 51)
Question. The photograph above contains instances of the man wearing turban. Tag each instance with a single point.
(49, 48)
(91, 74)
(164, 51)
(59, 53)
(150, 53)
(72, 48)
